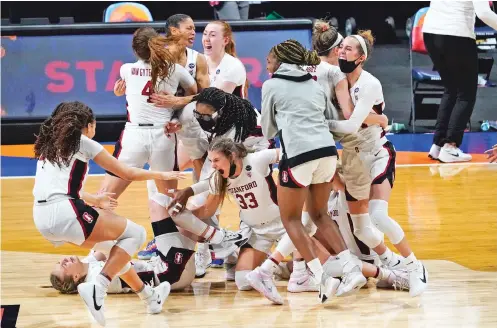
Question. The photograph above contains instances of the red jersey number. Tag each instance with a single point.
(250, 198)
(147, 90)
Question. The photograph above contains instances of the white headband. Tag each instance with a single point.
(338, 40)
(336, 43)
(362, 42)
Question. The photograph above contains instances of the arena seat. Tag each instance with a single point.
(127, 12)
(426, 84)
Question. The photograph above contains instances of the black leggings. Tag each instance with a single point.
(456, 59)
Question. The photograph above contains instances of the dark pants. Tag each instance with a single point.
(456, 59)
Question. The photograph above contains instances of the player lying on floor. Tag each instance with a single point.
(173, 264)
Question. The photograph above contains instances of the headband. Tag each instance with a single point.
(336, 43)
(362, 42)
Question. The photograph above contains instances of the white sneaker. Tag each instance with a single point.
(418, 280)
(264, 284)
(156, 301)
(351, 283)
(450, 154)
(396, 262)
(203, 261)
(301, 281)
(398, 279)
(352, 278)
(434, 152)
(93, 295)
(328, 287)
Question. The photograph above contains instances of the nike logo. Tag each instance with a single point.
(398, 262)
(410, 263)
(424, 275)
(377, 153)
(158, 299)
(97, 307)
(455, 155)
(300, 283)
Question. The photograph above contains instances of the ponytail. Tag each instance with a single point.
(161, 59)
(292, 52)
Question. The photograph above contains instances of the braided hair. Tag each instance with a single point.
(60, 134)
(67, 285)
(237, 112)
(292, 52)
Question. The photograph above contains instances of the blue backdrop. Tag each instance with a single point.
(40, 72)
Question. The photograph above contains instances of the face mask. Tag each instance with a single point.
(207, 126)
(232, 170)
(206, 122)
(347, 66)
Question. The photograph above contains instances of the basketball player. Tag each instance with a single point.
(227, 73)
(174, 262)
(369, 162)
(192, 143)
(326, 42)
(222, 114)
(61, 212)
(294, 107)
(143, 140)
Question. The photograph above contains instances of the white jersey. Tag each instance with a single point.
(191, 61)
(367, 97)
(254, 189)
(53, 182)
(328, 76)
(139, 88)
(230, 69)
(190, 66)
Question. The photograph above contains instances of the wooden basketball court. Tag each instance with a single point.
(449, 214)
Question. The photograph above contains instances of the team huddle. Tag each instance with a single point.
(190, 109)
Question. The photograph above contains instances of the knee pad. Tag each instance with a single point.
(132, 238)
(161, 199)
(378, 210)
(241, 280)
(365, 230)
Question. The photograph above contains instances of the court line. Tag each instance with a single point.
(438, 164)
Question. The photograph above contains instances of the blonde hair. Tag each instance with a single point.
(66, 286)
(368, 37)
(323, 37)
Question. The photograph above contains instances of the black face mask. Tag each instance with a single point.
(207, 125)
(347, 66)
(232, 170)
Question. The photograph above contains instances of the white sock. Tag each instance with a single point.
(316, 269)
(344, 256)
(269, 266)
(298, 266)
(384, 274)
(387, 256)
(411, 262)
(103, 281)
(145, 292)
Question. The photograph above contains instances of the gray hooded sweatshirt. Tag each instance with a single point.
(295, 108)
